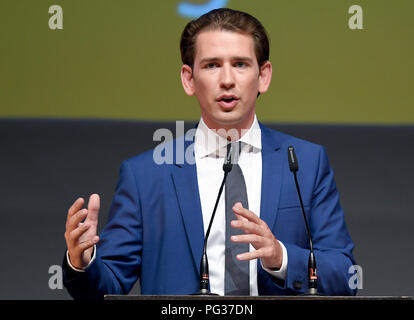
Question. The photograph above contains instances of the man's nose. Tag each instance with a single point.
(227, 77)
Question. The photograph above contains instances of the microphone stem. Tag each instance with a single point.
(204, 272)
(214, 212)
(313, 278)
(311, 261)
(303, 212)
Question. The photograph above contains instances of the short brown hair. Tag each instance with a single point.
(224, 19)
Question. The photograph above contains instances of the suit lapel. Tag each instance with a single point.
(272, 164)
(188, 196)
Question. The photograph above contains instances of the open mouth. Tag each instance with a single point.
(228, 102)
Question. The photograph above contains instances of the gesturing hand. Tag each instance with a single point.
(258, 234)
(81, 236)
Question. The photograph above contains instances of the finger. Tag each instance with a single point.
(88, 243)
(76, 206)
(245, 213)
(255, 254)
(74, 220)
(93, 207)
(248, 227)
(79, 231)
(255, 240)
(239, 217)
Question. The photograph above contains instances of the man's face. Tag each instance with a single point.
(226, 78)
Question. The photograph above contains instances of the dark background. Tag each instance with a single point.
(46, 164)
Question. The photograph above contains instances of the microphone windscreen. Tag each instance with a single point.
(293, 162)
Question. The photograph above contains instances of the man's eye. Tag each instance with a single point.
(240, 64)
(211, 66)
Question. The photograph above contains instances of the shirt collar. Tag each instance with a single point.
(208, 142)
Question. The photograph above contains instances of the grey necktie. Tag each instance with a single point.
(236, 272)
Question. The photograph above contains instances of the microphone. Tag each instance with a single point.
(313, 278)
(204, 273)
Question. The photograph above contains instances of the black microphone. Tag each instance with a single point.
(204, 273)
(313, 278)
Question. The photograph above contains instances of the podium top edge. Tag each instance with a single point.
(252, 298)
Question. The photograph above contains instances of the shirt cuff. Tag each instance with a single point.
(282, 272)
(81, 270)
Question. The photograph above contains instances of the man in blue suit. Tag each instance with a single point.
(160, 211)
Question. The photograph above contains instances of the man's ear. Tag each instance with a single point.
(265, 76)
(187, 79)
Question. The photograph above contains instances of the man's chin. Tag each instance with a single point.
(232, 120)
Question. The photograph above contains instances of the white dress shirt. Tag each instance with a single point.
(210, 150)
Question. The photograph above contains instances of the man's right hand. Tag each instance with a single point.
(81, 236)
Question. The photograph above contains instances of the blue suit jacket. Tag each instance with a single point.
(155, 228)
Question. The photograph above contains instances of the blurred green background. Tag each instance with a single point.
(120, 60)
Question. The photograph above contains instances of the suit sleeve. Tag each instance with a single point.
(331, 241)
(118, 253)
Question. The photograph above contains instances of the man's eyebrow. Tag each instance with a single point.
(237, 58)
(211, 59)
(247, 59)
